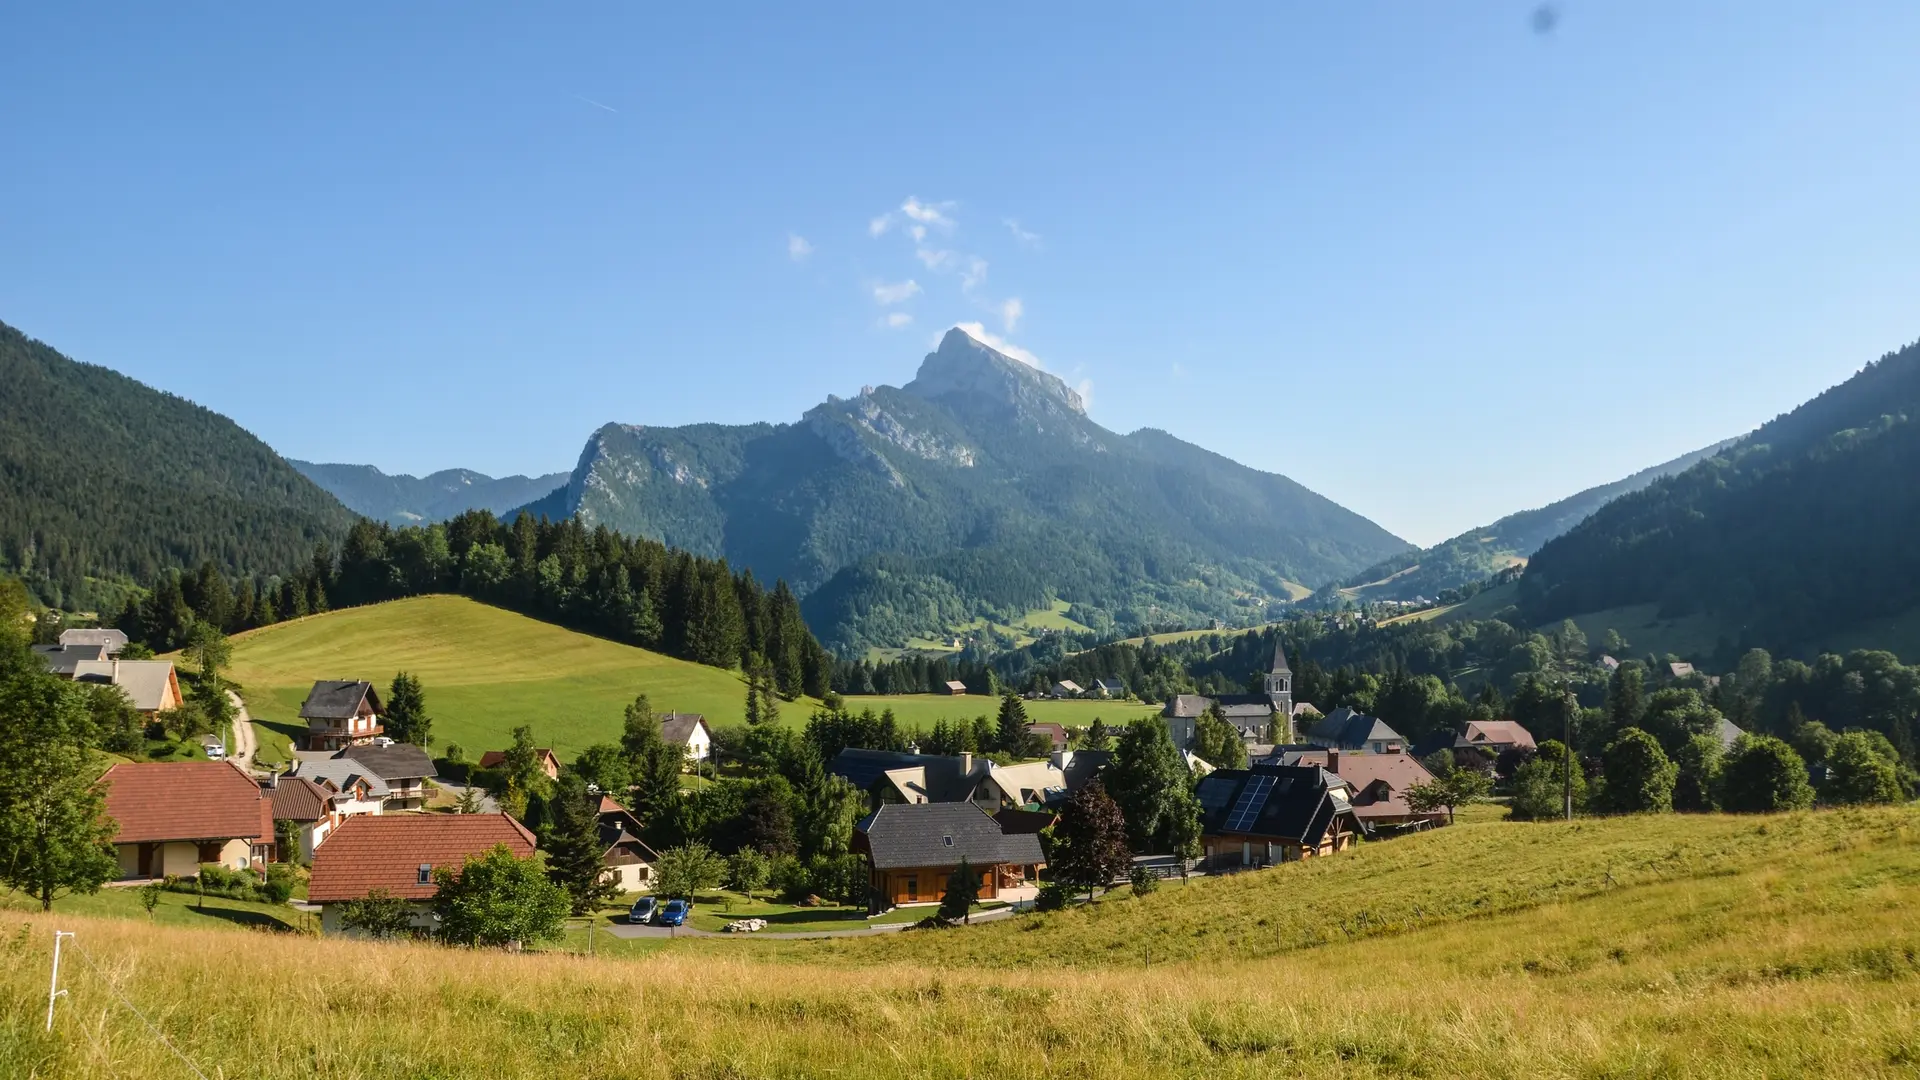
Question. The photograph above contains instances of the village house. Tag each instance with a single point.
(1345, 729)
(1066, 688)
(404, 767)
(309, 806)
(355, 789)
(889, 776)
(63, 659)
(1271, 814)
(628, 860)
(106, 637)
(1259, 718)
(912, 850)
(151, 686)
(956, 688)
(172, 816)
(399, 853)
(1495, 736)
(341, 713)
(1055, 734)
(1380, 783)
(549, 764)
(1109, 688)
(688, 729)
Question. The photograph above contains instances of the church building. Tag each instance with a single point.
(1253, 714)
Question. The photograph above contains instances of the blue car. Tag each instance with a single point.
(672, 913)
(642, 911)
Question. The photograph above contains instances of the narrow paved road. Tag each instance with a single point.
(245, 744)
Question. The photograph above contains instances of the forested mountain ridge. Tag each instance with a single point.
(400, 499)
(102, 476)
(1478, 554)
(1804, 526)
(979, 489)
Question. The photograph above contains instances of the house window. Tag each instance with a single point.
(913, 889)
(948, 840)
(425, 874)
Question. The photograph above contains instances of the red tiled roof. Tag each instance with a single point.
(296, 798)
(1496, 731)
(385, 851)
(186, 800)
(1400, 771)
(493, 759)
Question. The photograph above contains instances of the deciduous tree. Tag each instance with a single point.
(1090, 840)
(497, 900)
(1762, 775)
(1640, 776)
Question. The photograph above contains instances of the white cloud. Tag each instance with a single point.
(933, 214)
(974, 275)
(797, 247)
(878, 226)
(936, 259)
(885, 293)
(1010, 311)
(1031, 239)
(994, 341)
(895, 320)
(918, 232)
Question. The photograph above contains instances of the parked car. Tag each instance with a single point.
(642, 910)
(673, 913)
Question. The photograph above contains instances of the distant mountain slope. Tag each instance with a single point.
(1477, 554)
(103, 476)
(980, 488)
(401, 499)
(1805, 526)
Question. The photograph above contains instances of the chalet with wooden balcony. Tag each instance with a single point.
(341, 713)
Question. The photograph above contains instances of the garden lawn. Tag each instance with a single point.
(174, 909)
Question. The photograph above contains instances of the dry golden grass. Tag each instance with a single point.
(1802, 962)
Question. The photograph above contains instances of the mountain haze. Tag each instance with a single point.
(104, 477)
(1477, 554)
(979, 489)
(400, 499)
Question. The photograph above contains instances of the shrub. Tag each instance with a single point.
(1053, 897)
(1144, 881)
(1763, 775)
(1640, 776)
(278, 888)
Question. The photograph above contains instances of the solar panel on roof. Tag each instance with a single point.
(1253, 798)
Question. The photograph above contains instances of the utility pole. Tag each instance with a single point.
(1566, 766)
(54, 993)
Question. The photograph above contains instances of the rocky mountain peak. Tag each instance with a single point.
(967, 374)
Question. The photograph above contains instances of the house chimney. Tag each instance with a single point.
(966, 763)
(1333, 762)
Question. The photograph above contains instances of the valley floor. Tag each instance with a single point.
(1682, 947)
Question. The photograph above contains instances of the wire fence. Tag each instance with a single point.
(107, 981)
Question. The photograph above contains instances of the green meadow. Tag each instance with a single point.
(487, 670)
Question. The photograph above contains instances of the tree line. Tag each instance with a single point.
(635, 591)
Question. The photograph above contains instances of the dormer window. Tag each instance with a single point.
(948, 839)
(425, 874)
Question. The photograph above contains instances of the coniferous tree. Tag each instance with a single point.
(407, 719)
(1149, 780)
(573, 847)
(1098, 736)
(963, 891)
(1010, 733)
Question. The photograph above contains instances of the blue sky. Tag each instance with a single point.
(1420, 257)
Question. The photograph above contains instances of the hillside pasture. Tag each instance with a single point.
(1780, 947)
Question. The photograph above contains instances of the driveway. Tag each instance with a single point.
(625, 930)
(245, 742)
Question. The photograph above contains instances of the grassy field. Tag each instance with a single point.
(487, 670)
(1672, 947)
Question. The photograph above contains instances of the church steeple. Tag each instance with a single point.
(1279, 680)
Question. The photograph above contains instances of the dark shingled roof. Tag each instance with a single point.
(401, 761)
(1350, 730)
(945, 780)
(65, 659)
(1302, 803)
(338, 699)
(941, 834)
(677, 727)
